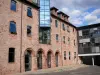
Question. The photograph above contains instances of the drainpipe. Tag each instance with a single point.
(21, 36)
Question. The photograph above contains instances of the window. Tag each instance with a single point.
(11, 55)
(59, 15)
(80, 44)
(50, 19)
(74, 55)
(44, 36)
(12, 27)
(68, 40)
(74, 43)
(29, 30)
(57, 37)
(29, 12)
(13, 5)
(64, 55)
(63, 26)
(68, 29)
(73, 29)
(35, 1)
(56, 23)
(63, 39)
(85, 33)
(69, 55)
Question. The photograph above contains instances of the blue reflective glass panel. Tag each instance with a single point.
(44, 13)
(13, 5)
(29, 12)
(12, 27)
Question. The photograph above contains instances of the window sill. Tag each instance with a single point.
(13, 33)
(11, 62)
(30, 16)
(57, 41)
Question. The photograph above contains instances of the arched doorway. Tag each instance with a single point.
(49, 59)
(28, 60)
(57, 58)
(39, 59)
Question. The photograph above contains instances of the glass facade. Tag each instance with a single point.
(44, 13)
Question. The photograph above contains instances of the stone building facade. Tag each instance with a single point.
(20, 49)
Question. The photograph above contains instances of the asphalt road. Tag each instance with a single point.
(92, 70)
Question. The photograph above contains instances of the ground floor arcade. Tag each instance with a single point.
(40, 60)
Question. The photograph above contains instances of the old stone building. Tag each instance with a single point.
(21, 48)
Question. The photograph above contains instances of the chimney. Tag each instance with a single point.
(54, 10)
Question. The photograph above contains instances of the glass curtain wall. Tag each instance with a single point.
(44, 30)
(44, 13)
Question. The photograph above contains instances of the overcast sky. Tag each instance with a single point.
(81, 12)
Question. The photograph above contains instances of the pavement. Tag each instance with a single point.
(67, 70)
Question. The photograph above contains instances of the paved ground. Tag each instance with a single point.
(87, 70)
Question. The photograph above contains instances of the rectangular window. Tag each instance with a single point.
(74, 43)
(63, 39)
(29, 12)
(56, 23)
(57, 37)
(74, 55)
(13, 5)
(68, 29)
(69, 55)
(29, 30)
(44, 36)
(73, 29)
(68, 40)
(86, 33)
(12, 27)
(63, 26)
(64, 55)
(11, 55)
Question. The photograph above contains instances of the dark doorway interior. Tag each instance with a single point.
(27, 61)
(49, 59)
(56, 57)
(39, 60)
(87, 60)
(97, 60)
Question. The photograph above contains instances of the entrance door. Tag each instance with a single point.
(39, 60)
(28, 61)
(56, 55)
(49, 59)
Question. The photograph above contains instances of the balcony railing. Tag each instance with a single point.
(89, 50)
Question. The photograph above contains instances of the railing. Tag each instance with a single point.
(88, 50)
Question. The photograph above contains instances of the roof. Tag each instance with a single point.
(63, 20)
(30, 2)
(53, 8)
(89, 26)
(60, 12)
